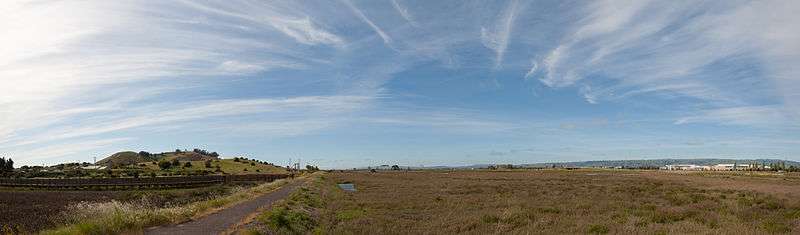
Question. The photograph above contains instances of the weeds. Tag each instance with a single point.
(552, 202)
(283, 220)
(597, 229)
(119, 217)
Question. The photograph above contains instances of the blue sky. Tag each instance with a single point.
(350, 83)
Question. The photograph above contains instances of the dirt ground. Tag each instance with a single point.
(28, 210)
(560, 201)
(34, 210)
(784, 185)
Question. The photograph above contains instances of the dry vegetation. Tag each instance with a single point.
(27, 211)
(544, 201)
(111, 212)
(129, 217)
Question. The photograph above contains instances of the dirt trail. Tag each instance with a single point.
(223, 220)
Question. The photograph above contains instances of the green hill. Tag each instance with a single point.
(197, 163)
(125, 158)
(185, 156)
(225, 166)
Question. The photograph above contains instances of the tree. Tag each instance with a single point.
(175, 162)
(214, 154)
(9, 165)
(187, 165)
(177, 150)
(164, 165)
(144, 154)
(6, 164)
(208, 163)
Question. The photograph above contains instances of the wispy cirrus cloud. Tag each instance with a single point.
(404, 13)
(80, 72)
(497, 36)
(76, 70)
(769, 115)
(386, 38)
(677, 50)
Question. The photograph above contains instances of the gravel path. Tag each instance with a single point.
(225, 219)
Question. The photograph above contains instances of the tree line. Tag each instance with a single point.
(6, 165)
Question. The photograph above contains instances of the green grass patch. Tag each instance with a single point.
(597, 229)
(346, 215)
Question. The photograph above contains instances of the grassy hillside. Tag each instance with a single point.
(164, 163)
(125, 158)
(226, 166)
(185, 156)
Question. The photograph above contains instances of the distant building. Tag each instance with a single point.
(95, 167)
(732, 167)
(686, 167)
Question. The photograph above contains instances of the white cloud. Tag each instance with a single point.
(737, 55)
(386, 39)
(275, 109)
(404, 13)
(76, 70)
(497, 36)
(745, 115)
(534, 67)
(42, 154)
(300, 28)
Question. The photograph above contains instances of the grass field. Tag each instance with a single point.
(228, 166)
(541, 201)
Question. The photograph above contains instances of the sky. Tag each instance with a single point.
(350, 83)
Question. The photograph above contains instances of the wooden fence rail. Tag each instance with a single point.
(122, 183)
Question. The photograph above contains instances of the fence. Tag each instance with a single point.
(121, 183)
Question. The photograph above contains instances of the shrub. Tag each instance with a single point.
(490, 219)
(164, 165)
(773, 226)
(598, 229)
(286, 221)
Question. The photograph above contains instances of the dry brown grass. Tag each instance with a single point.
(549, 201)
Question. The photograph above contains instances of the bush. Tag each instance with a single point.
(598, 229)
(164, 165)
(285, 221)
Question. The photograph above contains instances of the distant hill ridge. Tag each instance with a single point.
(130, 157)
(662, 162)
